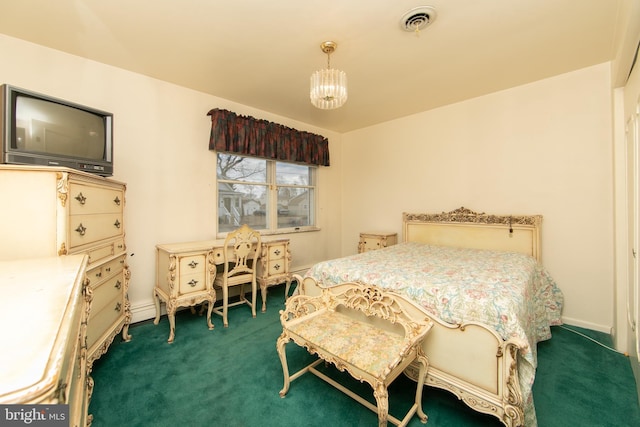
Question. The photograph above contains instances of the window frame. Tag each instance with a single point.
(272, 188)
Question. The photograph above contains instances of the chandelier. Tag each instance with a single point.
(328, 86)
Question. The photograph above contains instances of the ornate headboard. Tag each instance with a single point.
(468, 229)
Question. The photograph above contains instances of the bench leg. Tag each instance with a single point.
(382, 402)
(422, 375)
(280, 345)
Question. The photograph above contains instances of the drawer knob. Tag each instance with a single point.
(118, 307)
(277, 252)
(118, 285)
(117, 201)
(193, 264)
(116, 224)
(81, 229)
(276, 267)
(81, 198)
(99, 274)
(193, 283)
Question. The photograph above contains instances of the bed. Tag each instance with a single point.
(480, 279)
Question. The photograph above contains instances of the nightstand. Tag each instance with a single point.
(373, 241)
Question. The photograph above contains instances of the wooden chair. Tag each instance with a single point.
(240, 263)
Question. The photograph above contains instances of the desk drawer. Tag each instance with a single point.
(191, 283)
(192, 264)
(276, 251)
(277, 267)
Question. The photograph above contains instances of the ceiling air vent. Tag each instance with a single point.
(418, 18)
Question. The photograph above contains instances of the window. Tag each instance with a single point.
(264, 194)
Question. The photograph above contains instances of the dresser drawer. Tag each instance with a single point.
(86, 229)
(100, 272)
(106, 250)
(87, 199)
(114, 266)
(105, 292)
(101, 321)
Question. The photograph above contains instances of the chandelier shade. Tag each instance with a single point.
(328, 86)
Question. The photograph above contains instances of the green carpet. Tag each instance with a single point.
(232, 376)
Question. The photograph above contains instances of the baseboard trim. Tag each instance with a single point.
(142, 312)
(587, 325)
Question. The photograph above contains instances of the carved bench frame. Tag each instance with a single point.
(371, 334)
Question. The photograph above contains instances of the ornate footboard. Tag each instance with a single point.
(479, 367)
(471, 361)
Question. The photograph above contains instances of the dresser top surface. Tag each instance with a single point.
(38, 298)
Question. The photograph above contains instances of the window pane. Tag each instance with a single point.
(294, 207)
(291, 174)
(238, 168)
(241, 204)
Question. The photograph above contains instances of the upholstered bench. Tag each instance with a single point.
(371, 334)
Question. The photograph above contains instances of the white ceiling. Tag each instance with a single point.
(261, 53)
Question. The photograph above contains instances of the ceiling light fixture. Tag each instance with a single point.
(328, 86)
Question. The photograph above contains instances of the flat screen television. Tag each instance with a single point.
(40, 130)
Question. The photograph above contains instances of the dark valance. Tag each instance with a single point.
(248, 136)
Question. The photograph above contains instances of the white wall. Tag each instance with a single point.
(542, 148)
(161, 152)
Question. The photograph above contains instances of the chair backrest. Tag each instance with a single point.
(242, 251)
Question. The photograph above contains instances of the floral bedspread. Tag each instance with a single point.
(509, 292)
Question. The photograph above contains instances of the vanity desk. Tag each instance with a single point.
(185, 273)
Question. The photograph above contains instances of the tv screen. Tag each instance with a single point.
(41, 130)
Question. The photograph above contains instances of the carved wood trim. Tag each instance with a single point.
(464, 215)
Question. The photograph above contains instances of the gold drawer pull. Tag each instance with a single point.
(99, 274)
(116, 201)
(193, 283)
(81, 198)
(276, 267)
(193, 264)
(117, 224)
(108, 269)
(118, 284)
(81, 229)
(277, 252)
(118, 307)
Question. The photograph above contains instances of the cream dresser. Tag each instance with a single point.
(373, 241)
(58, 211)
(44, 306)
